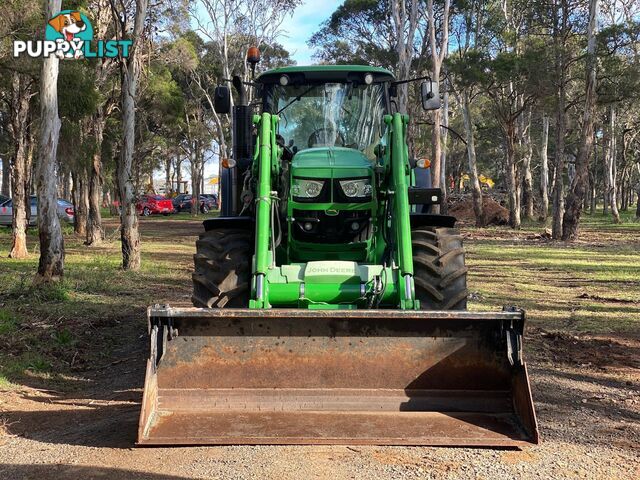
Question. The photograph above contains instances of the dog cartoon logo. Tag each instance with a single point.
(69, 29)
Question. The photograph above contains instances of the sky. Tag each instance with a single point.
(306, 20)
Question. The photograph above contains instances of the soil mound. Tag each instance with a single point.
(494, 213)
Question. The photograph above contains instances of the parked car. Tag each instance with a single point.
(3, 198)
(213, 198)
(64, 209)
(150, 204)
(182, 203)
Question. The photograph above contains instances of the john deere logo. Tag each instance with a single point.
(69, 34)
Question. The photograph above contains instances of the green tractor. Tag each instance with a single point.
(330, 302)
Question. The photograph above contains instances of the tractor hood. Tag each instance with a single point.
(327, 162)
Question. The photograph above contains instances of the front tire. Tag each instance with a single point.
(440, 275)
(146, 212)
(222, 275)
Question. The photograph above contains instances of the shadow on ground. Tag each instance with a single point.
(75, 472)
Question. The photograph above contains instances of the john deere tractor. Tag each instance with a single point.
(330, 302)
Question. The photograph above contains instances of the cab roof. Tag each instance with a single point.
(326, 73)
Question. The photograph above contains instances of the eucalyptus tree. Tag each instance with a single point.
(360, 32)
(51, 263)
(18, 92)
(576, 197)
(130, 68)
(619, 44)
(103, 79)
(438, 28)
(510, 83)
(465, 65)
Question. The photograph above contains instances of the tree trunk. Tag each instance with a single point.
(544, 169)
(129, 235)
(80, 202)
(471, 155)
(443, 153)
(593, 197)
(102, 18)
(438, 54)
(51, 264)
(130, 75)
(179, 176)
(95, 232)
(558, 187)
(561, 27)
(580, 183)
(195, 183)
(510, 178)
(611, 166)
(405, 23)
(527, 178)
(6, 177)
(65, 188)
(167, 182)
(20, 166)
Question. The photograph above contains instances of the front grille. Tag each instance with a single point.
(331, 228)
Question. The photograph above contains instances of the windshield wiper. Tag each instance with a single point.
(296, 99)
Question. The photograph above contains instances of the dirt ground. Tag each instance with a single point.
(586, 388)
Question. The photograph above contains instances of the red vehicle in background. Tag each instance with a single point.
(150, 204)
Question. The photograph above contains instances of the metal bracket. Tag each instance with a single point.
(514, 331)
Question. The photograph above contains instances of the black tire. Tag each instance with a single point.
(146, 212)
(440, 274)
(222, 275)
(204, 208)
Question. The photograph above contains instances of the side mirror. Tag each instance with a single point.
(430, 94)
(222, 99)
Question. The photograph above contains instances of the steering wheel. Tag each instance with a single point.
(314, 137)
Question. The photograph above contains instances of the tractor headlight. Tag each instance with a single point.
(302, 188)
(359, 188)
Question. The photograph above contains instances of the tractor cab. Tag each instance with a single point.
(325, 108)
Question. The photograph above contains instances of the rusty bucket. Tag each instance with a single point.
(382, 377)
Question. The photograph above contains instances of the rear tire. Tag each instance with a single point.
(440, 274)
(222, 273)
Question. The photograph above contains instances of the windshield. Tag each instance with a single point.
(331, 114)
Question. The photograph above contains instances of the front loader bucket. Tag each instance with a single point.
(384, 377)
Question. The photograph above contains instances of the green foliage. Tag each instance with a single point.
(77, 95)
(358, 32)
(164, 100)
(619, 78)
(468, 68)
